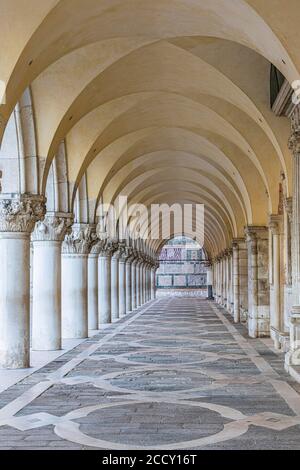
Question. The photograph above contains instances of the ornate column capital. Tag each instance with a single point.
(129, 254)
(79, 240)
(118, 250)
(236, 242)
(20, 212)
(53, 227)
(274, 224)
(105, 248)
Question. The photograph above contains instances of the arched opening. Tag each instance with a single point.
(182, 268)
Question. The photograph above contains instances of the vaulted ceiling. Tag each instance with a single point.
(161, 100)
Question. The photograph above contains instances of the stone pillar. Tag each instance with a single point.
(217, 264)
(75, 251)
(18, 215)
(104, 284)
(93, 307)
(46, 300)
(275, 287)
(228, 280)
(209, 283)
(153, 283)
(142, 282)
(115, 284)
(133, 283)
(236, 281)
(294, 145)
(138, 283)
(258, 282)
(223, 261)
(293, 355)
(122, 284)
(147, 282)
(128, 268)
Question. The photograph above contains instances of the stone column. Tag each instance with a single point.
(122, 284)
(115, 283)
(153, 284)
(294, 145)
(236, 282)
(142, 282)
(217, 268)
(93, 295)
(209, 283)
(275, 294)
(145, 282)
(46, 301)
(258, 282)
(293, 355)
(223, 262)
(138, 283)
(75, 251)
(18, 215)
(104, 283)
(133, 283)
(128, 269)
(228, 280)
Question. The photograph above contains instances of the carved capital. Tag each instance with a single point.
(54, 227)
(19, 213)
(275, 224)
(79, 240)
(105, 247)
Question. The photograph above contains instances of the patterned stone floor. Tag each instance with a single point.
(176, 374)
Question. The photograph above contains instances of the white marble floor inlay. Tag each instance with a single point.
(176, 374)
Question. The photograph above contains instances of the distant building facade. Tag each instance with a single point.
(182, 265)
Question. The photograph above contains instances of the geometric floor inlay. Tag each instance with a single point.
(176, 374)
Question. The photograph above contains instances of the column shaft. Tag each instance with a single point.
(46, 306)
(74, 296)
(104, 289)
(114, 288)
(93, 291)
(128, 268)
(14, 300)
(122, 288)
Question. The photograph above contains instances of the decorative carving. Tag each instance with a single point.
(105, 247)
(294, 140)
(118, 250)
(19, 213)
(79, 240)
(288, 205)
(54, 227)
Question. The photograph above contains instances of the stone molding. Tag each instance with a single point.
(79, 240)
(20, 212)
(54, 227)
(255, 232)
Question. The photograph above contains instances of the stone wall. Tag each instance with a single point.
(182, 266)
